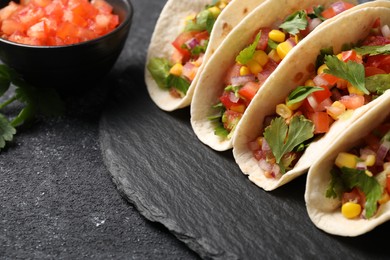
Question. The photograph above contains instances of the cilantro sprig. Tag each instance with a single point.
(373, 50)
(247, 54)
(36, 101)
(351, 71)
(295, 22)
(300, 93)
(283, 138)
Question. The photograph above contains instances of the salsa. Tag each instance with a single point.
(56, 22)
(361, 176)
(255, 63)
(343, 82)
(177, 72)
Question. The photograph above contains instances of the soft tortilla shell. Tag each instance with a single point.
(325, 212)
(210, 84)
(171, 23)
(348, 28)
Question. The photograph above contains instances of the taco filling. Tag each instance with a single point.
(255, 63)
(361, 176)
(176, 73)
(341, 83)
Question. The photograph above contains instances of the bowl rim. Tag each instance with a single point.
(126, 21)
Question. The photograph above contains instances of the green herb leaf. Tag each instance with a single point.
(351, 71)
(300, 93)
(272, 44)
(233, 89)
(378, 83)
(220, 131)
(368, 185)
(318, 13)
(179, 83)
(204, 21)
(159, 69)
(295, 22)
(7, 131)
(5, 79)
(321, 57)
(247, 54)
(373, 50)
(26, 115)
(283, 138)
(336, 186)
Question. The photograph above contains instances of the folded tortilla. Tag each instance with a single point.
(171, 23)
(210, 84)
(349, 27)
(325, 212)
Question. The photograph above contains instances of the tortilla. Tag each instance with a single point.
(171, 23)
(325, 212)
(210, 85)
(349, 27)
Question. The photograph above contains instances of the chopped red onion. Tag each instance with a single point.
(264, 146)
(382, 151)
(276, 170)
(361, 166)
(241, 80)
(233, 98)
(320, 81)
(265, 166)
(192, 43)
(314, 23)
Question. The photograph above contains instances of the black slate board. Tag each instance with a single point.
(200, 195)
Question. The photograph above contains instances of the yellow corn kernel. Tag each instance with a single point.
(321, 69)
(354, 90)
(261, 57)
(244, 71)
(190, 17)
(176, 69)
(346, 160)
(296, 38)
(336, 109)
(370, 160)
(283, 49)
(277, 36)
(309, 82)
(283, 111)
(238, 108)
(368, 173)
(254, 67)
(385, 198)
(274, 56)
(340, 56)
(222, 4)
(260, 141)
(294, 106)
(351, 210)
(215, 11)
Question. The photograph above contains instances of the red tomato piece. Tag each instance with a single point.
(335, 9)
(351, 55)
(249, 90)
(388, 183)
(234, 71)
(352, 101)
(263, 42)
(227, 102)
(371, 71)
(379, 61)
(202, 36)
(354, 195)
(322, 95)
(180, 40)
(321, 121)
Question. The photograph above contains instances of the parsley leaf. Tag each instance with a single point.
(159, 69)
(283, 138)
(295, 22)
(300, 93)
(373, 50)
(7, 131)
(351, 71)
(247, 54)
(378, 83)
(368, 185)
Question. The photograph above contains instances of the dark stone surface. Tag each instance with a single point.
(200, 195)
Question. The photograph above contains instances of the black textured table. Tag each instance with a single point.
(65, 184)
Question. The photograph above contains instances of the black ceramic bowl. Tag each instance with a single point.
(73, 66)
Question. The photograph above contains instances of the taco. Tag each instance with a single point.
(248, 59)
(185, 36)
(348, 187)
(328, 82)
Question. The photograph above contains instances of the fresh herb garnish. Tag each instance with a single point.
(233, 89)
(36, 101)
(179, 83)
(159, 69)
(321, 57)
(300, 93)
(283, 138)
(247, 54)
(272, 44)
(373, 50)
(378, 83)
(318, 13)
(353, 178)
(295, 22)
(351, 71)
(204, 21)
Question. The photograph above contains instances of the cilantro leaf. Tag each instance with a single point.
(7, 131)
(204, 21)
(351, 71)
(318, 13)
(272, 44)
(300, 93)
(378, 83)
(368, 185)
(220, 131)
(373, 50)
(178, 83)
(295, 22)
(283, 138)
(336, 186)
(321, 57)
(159, 69)
(247, 54)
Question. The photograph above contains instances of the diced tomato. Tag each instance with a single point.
(40, 3)
(180, 40)
(7, 11)
(10, 26)
(352, 101)
(321, 121)
(379, 61)
(351, 55)
(263, 42)
(234, 71)
(249, 90)
(388, 183)
(202, 36)
(227, 101)
(322, 95)
(354, 195)
(102, 6)
(38, 30)
(371, 71)
(335, 9)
